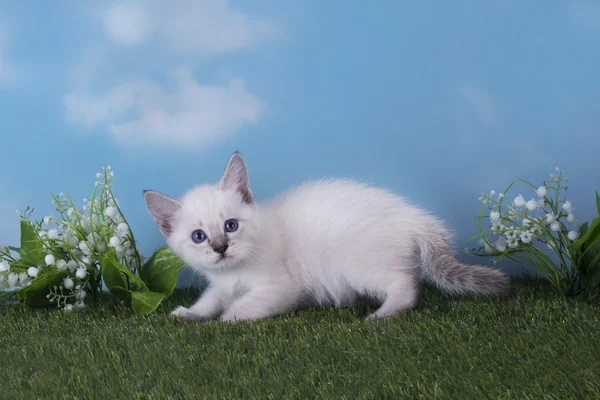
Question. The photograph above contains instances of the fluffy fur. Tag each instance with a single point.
(329, 242)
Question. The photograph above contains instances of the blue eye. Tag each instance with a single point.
(198, 236)
(231, 225)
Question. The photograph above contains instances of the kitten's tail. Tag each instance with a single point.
(453, 276)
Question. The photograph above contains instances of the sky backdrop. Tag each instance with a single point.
(438, 101)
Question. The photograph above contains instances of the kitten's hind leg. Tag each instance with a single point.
(400, 296)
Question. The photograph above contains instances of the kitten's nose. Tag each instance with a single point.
(221, 249)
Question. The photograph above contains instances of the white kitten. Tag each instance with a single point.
(331, 242)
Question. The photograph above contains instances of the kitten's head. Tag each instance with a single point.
(213, 226)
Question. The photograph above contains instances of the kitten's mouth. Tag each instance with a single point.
(221, 258)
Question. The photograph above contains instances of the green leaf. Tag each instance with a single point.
(129, 288)
(145, 302)
(116, 274)
(587, 238)
(34, 295)
(160, 272)
(32, 252)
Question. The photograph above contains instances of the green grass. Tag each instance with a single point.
(532, 345)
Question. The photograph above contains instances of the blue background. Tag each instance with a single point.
(438, 101)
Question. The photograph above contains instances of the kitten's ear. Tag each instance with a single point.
(163, 210)
(235, 177)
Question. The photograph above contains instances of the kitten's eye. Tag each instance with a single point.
(231, 225)
(198, 236)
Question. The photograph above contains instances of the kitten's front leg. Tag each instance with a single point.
(209, 306)
(261, 302)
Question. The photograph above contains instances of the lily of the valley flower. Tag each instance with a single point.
(567, 206)
(32, 272)
(68, 283)
(542, 191)
(573, 235)
(519, 201)
(4, 266)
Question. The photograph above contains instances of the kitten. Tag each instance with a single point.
(330, 242)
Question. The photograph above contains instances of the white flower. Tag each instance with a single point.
(513, 243)
(49, 259)
(23, 278)
(541, 203)
(32, 272)
(81, 273)
(48, 220)
(86, 260)
(495, 216)
(42, 234)
(500, 244)
(12, 279)
(129, 252)
(573, 235)
(80, 304)
(101, 246)
(68, 283)
(85, 224)
(510, 234)
(512, 214)
(120, 249)
(519, 201)
(70, 211)
(2, 278)
(4, 249)
(526, 237)
(68, 307)
(567, 206)
(115, 241)
(84, 248)
(81, 294)
(550, 218)
(555, 226)
(4, 266)
(123, 228)
(110, 212)
(61, 264)
(69, 240)
(98, 175)
(501, 195)
(542, 191)
(72, 265)
(488, 249)
(531, 205)
(52, 234)
(527, 222)
(571, 218)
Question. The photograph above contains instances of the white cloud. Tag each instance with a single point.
(152, 37)
(191, 115)
(480, 102)
(196, 26)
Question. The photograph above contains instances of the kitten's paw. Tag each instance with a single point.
(182, 312)
(372, 316)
